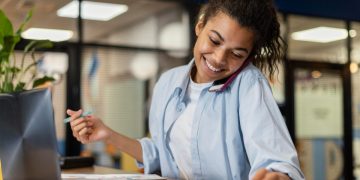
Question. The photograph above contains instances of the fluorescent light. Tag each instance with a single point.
(92, 10)
(322, 34)
(50, 34)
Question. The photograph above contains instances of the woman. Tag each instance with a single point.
(215, 118)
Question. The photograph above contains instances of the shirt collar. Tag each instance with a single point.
(182, 82)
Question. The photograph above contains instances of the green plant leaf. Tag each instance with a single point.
(8, 46)
(29, 46)
(6, 26)
(5, 30)
(37, 45)
(4, 55)
(42, 80)
(13, 69)
(8, 87)
(20, 86)
(26, 20)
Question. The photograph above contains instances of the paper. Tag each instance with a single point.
(110, 176)
(318, 103)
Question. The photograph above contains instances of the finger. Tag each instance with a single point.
(79, 127)
(82, 131)
(260, 174)
(277, 175)
(77, 121)
(271, 176)
(74, 114)
(71, 112)
(90, 123)
(75, 135)
(78, 138)
(90, 130)
(83, 140)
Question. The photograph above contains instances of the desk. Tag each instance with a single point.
(96, 170)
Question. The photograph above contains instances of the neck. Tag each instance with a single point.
(193, 74)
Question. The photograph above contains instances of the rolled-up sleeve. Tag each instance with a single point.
(150, 154)
(266, 138)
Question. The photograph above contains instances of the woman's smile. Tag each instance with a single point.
(213, 68)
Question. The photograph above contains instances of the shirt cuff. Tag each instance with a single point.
(151, 162)
(291, 171)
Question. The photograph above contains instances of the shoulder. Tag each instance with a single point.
(172, 74)
(170, 79)
(251, 75)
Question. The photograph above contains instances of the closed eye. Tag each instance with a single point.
(238, 55)
(214, 41)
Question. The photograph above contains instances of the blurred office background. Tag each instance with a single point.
(109, 65)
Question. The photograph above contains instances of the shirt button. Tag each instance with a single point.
(180, 107)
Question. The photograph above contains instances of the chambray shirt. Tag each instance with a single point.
(234, 133)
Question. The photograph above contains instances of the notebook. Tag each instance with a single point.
(28, 145)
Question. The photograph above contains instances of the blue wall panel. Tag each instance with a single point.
(346, 10)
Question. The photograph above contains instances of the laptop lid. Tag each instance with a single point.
(28, 144)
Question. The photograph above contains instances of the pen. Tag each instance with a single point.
(82, 115)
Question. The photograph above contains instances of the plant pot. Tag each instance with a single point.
(28, 148)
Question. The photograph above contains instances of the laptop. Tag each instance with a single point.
(28, 144)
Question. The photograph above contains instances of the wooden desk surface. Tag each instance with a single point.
(96, 170)
(104, 171)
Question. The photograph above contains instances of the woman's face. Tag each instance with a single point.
(221, 47)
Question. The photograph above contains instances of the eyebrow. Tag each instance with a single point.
(222, 39)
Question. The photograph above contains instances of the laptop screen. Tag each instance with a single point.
(28, 144)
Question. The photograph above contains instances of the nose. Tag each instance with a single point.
(220, 56)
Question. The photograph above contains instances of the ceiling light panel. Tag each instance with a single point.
(55, 35)
(92, 10)
(321, 34)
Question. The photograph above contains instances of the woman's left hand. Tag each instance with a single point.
(264, 174)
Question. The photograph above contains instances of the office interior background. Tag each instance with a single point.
(109, 66)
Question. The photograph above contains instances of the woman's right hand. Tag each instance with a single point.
(89, 128)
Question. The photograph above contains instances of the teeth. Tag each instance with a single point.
(212, 67)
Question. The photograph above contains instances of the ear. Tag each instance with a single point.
(199, 26)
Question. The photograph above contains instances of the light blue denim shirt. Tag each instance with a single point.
(234, 133)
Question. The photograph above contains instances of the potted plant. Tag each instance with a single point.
(11, 74)
(26, 115)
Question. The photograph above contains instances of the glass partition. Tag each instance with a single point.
(319, 122)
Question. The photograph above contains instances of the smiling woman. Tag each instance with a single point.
(201, 131)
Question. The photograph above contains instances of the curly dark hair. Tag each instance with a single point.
(260, 17)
